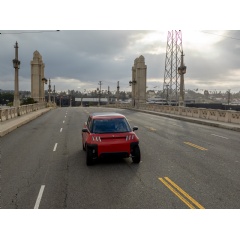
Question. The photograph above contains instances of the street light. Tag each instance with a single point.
(44, 80)
(181, 71)
(99, 92)
(54, 95)
(16, 65)
(49, 91)
(132, 83)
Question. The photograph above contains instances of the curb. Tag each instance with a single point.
(19, 124)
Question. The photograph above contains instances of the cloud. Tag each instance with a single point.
(82, 58)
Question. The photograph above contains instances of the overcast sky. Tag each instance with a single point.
(79, 59)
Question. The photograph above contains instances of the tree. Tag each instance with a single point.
(6, 98)
(28, 101)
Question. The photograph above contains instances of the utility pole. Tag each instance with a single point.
(16, 65)
(99, 99)
(118, 91)
(108, 93)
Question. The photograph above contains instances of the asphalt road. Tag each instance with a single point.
(184, 165)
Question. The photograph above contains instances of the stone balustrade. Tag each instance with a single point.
(12, 112)
(228, 116)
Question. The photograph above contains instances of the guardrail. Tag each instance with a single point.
(228, 116)
(12, 112)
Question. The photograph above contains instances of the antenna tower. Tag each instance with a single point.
(171, 86)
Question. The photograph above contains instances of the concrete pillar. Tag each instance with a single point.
(139, 80)
(37, 75)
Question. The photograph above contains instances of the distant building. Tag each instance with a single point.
(151, 94)
(90, 101)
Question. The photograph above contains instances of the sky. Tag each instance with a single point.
(79, 59)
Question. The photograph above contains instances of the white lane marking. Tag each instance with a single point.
(55, 147)
(39, 197)
(65, 116)
(63, 121)
(61, 130)
(176, 125)
(219, 136)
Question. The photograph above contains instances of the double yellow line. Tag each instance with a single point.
(196, 146)
(181, 194)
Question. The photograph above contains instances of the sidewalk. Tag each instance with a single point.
(229, 126)
(11, 124)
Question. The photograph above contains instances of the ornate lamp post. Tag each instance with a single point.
(49, 91)
(182, 71)
(99, 93)
(118, 87)
(16, 65)
(44, 80)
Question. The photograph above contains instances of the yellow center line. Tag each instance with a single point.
(178, 191)
(196, 146)
(151, 129)
(184, 193)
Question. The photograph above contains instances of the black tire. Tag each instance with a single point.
(136, 155)
(83, 145)
(89, 157)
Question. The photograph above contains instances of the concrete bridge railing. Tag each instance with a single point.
(228, 116)
(12, 112)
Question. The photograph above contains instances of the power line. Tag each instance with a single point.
(28, 32)
(221, 35)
